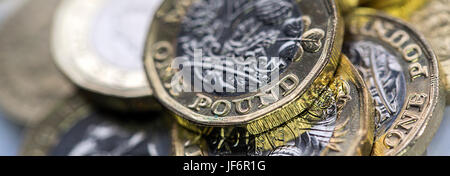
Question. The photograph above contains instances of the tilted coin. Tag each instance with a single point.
(398, 8)
(30, 83)
(402, 74)
(255, 64)
(75, 129)
(98, 44)
(343, 126)
(434, 22)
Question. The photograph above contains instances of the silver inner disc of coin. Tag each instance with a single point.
(119, 31)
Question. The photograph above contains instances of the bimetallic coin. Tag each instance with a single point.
(434, 22)
(344, 126)
(402, 74)
(261, 62)
(30, 83)
(75, 129)
(98, 44)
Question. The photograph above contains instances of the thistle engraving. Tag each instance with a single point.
(384, 77)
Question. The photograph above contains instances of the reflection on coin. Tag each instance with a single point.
(98, 44)
(30, 83)
(344, 126)
(245, 44)
(434, 22)
(402, 74)
(77, 130)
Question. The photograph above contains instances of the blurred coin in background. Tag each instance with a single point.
(434, 22)
(30, 83)
(402, 73)
(10, 133)
(398, 8)
(99, 44)
(75, 129)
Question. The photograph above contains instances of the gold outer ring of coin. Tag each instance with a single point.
(31, 85)
(347, 132)
(161, 51)
(418, 118)
(110, 84)
(434, 22)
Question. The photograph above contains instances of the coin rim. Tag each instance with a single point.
(331, 46)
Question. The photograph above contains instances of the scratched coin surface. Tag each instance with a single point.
(75, 129)
(402, 74)
(252, 63)
(98, 44)
(341, 127)
(30, 83)
(434, 23)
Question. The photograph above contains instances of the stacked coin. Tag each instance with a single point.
(265, 83)
(340, 129)
(240, 77)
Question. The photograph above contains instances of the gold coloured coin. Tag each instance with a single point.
(336, 128)
(402, 74)
(347, 5)
(398, 8)
(30, 83)
(261, 62)
(74, 128)
(98, 45)
(434, 22)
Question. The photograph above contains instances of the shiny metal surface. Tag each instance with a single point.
(402, 72)
(98, 44)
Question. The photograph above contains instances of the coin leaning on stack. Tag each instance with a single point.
(255, 109)
(246, 78)
(221, 116)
